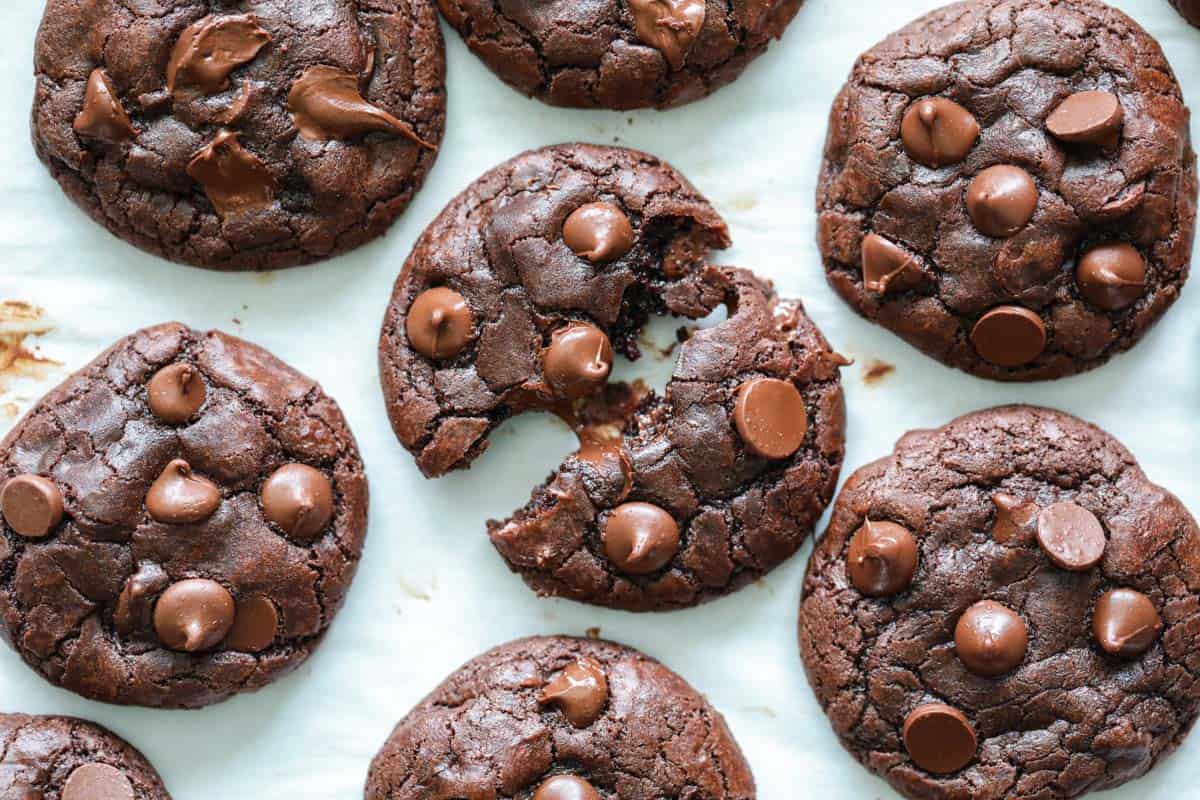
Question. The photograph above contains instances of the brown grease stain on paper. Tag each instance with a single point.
(18, 321)
(875, 371)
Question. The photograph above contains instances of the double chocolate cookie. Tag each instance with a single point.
(1009, 185)
(556, 718)
(1190, 9)
(232, 140)
(1008, 608)
(517, 297)
(179, 521)
(70, 759)
(619, 54)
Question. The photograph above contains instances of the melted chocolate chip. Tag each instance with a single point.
(194, 615)
(97, 781)
(1125, 622)
(211, 48)
(936, 131)
(32, 505)
(770, 418)
(640, 538)
(254, 625)
(939, 738)
(882, 558)
(180, 497)
(234, 179)
(102, 116)
(325, 103)
(669, 26)
(1087, 117)
(1009, 336)
(578, 361)
(1001, 200)
(886, 265)
(1111, 276)
(176, 392)
(1015, 519)
(439, 323)
(580, 692)
(299, 499)
(1071, 536)
(599, 232)
(135, 604)
(991, 639)
(566, 787)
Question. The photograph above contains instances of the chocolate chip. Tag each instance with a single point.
(194, 615)
(1001, 200)
(599, 232)
(176, 392)
(580, 692)
(770, 418)
(1071, 536)
(990, 639)
(1015, 519)
(1111, 276)
(886, 265)
(135, 606)
(211, 48)
(609, 459)
(640, 538)
(566, 787)
(180, 497)
(669, 26)
(939, 738)
(578, 361)
(325, 104)
(97, 781)
(102, 116)
(439, 323)
(936, 131)
(1009, 336)
(299, 499)
(882, 558)
(1125, 622)
(234, 179)
(32, 505)
(254, 625)
(1087, 117)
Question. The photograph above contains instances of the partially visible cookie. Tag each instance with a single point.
(1190, 9)
(240, 141)
(1010, 186)
(179, 521)
(71, 759)
(558, 718)
(1005, 607)
(619, 55)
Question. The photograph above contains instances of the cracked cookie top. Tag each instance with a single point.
(179, 521)
(558, 718)
(71, 759)
(1005, 607)
(240, 136)
(517, 297)
(619, 54)
(1009, 185)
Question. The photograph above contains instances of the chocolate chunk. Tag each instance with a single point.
(882, 558)
(176, 392)
(886, 265)
(990, 639)
(194, 615)
(580, 692)
(1009, 336)
(1088, 117)
(32, 505)
(640, 538)
(299, 499)
(135, 604)
(234, 179)
(325, 103)
(97, 781)
(669, 26)
(936, 131)
(254, 626)
(939, 738)
(599, 232)
(770, 417)
(439, 323)
(578, 361)
(211, 48)
(180, 497)
(1071, 536)
(566, 787)
(102, 116)
(1001, 200)
(1125, 622)
(1111, 276)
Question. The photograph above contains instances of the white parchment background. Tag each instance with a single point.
(431, 593)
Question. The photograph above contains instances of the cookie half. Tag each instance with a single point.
(558, 718)
(1190, 9)
(1010, 186)
(619, 55)
(518, 296)
(240, 141)
(180, 521)
(71, 759)
(1005, 607)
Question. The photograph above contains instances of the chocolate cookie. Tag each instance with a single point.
(1009, 185)
(556, 718)
(1005, 607)
(71, 759)
(234, 140)
(619, 55)
(1190, 9)
(518, 296)
(179, 521)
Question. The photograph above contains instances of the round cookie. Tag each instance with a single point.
(180, 521)
(558, 718)
(1005, 607)
(71, 759)
(240, 141)
(517, 297)
(1009, 186)
(619, 55)
(1190, 9)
